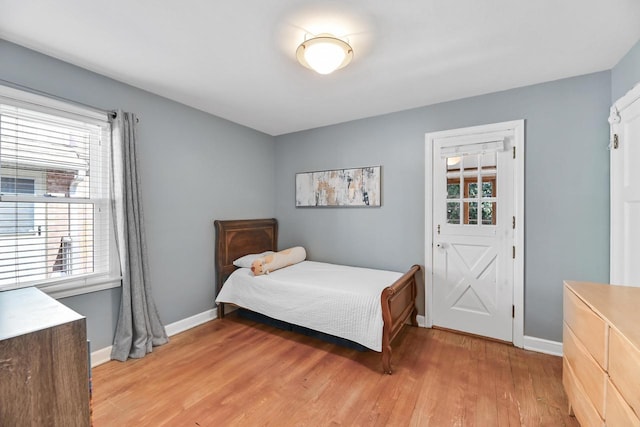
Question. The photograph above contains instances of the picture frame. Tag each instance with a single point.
(355, 187)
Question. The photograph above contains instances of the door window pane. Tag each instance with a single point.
(453, 213)
(488, 213)
(488, 187)
(471, 212)
(488, 161)
(489, 193)
(453, 189)
(471, 189)
(470, 162)
(453, 163)
(488, 178)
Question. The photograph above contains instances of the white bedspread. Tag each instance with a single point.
(334, 299)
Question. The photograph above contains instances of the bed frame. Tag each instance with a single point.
(241, 237)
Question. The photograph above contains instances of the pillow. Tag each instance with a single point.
(285, 258)
(247, 260)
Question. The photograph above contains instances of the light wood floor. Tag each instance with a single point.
(237, 372)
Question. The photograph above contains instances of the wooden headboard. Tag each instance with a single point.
(241, 237)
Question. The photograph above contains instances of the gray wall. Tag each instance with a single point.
(194, 168)
(566, 174)
(626, 73)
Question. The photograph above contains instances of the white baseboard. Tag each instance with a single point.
(421, 321)
(191, 322)
(103, 355)
(543, 346)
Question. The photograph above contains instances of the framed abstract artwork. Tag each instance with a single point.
(359, 187)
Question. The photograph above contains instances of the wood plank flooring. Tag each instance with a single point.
(237, 372)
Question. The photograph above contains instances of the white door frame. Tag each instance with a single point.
(619, 255)
(517, 126)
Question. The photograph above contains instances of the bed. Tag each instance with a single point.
(351, 290)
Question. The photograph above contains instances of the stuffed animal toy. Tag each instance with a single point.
(285, 258)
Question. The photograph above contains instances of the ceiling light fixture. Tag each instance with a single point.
(324, 53)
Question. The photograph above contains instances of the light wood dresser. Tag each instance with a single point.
(44, 372)
(601, 346)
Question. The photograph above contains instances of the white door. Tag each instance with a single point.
(625, 189)
(473, 231)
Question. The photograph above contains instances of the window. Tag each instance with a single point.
(466, 174)
(55, 218)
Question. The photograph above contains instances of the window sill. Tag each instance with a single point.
(79, 287)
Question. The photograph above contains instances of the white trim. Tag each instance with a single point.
(517, 127)
(623, 102)
(421, 321)
(191, 322)
(103, 355)
(543, 346)
(27, 98)
(81, 286)
(428, 229)
(618, 253)
(518, 236)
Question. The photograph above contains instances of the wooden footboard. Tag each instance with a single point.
(398, 305)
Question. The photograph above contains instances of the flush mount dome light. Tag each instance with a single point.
(324, 53)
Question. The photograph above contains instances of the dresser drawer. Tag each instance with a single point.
(624, 369)
(582, 408)
(590, 329)
(619, 413)
(591, 376)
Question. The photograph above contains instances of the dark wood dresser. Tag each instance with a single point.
(44, 368)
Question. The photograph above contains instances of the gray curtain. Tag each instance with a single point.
(139, 328)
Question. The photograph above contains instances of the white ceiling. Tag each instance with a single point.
(236, 59)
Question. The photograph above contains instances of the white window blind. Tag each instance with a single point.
(55, 227)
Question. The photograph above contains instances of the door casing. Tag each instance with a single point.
(624, 188)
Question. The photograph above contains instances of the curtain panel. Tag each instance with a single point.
(139, 328)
